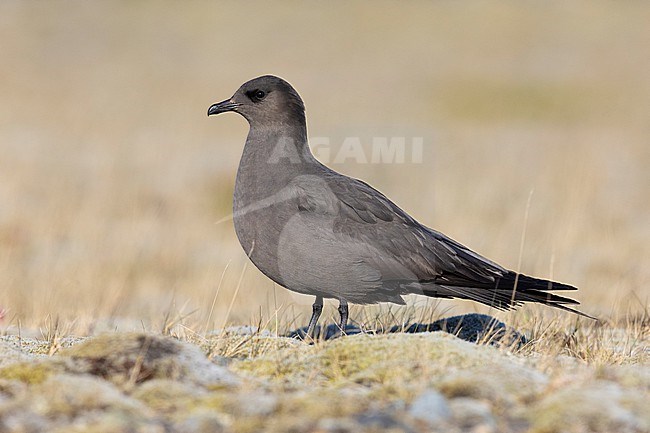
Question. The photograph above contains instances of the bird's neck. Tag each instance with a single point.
(272, 157)
(279, 143)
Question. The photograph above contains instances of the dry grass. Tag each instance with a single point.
(624, 339)
(112, 178)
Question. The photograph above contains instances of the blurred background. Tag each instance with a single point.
(534, 119)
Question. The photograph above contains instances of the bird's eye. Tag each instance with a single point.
(256, 95)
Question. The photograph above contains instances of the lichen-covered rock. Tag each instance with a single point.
(472, 327)
(10, 352)
(169, 396)
(629, 376)
(128, 359)
(431, 407)
(431, 381)
(67, 395)
(202, 421)
(33, 347)
(420, 359)
(22, 421)
(256, 403)
(473, 415)
(504, 383)
(75, 401)
(112, 383)
(29, 372)
(597, 407)
(108, 421)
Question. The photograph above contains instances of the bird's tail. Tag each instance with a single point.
(509, 292)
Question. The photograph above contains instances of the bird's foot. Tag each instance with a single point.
(328, 332)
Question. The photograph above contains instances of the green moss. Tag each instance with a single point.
(178, 400)
(266, 368)
(250, 425)
(384, 360)
(167, 396)
(346, 358)
(318, 404)
(288, 365)
(27, 372)
(215, 401)
(397, 358)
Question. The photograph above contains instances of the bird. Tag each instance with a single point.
(318, 232)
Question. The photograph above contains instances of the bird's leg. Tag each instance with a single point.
(316, 309)
(343, 311)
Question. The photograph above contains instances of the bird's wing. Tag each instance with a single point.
(361, 213)
(412, 258)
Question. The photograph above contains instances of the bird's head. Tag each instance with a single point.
(266, 100)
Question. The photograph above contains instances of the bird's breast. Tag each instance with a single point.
(259, 217)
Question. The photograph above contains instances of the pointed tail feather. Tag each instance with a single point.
(508, 292)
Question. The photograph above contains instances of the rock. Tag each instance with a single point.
(471, 327)
(599, 406)
(22, 421)
(474, 328)
(30, 372)
(108, 421)
(34, 347)
(202, 421)
(380, 421)
(117, 383)
(128, 359)
(328, 332)
(389, 360)
(190, 408)
(256, 404)
(475, 415)
(337, 425)
(69, 403)
(629, 376)
(430, 407)
(169, 396)
(69, 395)
(504, 384)
(10, 351)
(397, 382)
(303, 410)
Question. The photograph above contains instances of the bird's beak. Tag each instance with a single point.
(222, 107)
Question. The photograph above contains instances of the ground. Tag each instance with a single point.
(243, 380)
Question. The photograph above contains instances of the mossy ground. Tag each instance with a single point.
(366, 383)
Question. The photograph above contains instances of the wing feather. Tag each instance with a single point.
(361, 212)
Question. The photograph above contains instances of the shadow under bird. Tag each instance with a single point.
(321, 233)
